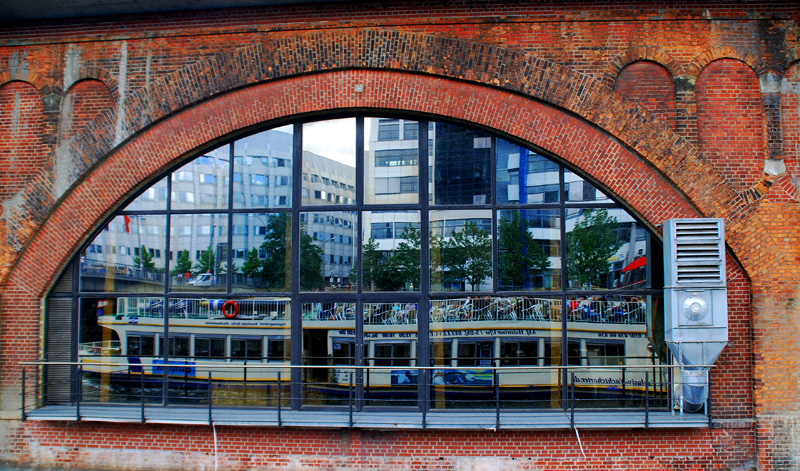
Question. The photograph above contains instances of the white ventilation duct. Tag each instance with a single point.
(696, 304)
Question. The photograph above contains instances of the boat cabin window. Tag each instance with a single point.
(209, 347)
(247, 348)
(141, 345)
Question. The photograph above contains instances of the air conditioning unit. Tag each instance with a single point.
(695, 297)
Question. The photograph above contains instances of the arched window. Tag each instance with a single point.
(365, 262)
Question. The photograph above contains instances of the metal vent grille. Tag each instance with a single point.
(58, 348)
(697, 248)
(64, 285)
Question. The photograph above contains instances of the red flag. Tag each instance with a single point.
(127, 223)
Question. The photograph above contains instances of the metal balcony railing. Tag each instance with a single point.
(255, 393)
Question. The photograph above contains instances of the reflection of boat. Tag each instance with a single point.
(468, 338)
(202, 331)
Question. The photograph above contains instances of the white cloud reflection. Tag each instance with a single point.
(334, 139)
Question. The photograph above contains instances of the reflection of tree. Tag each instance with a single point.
(370, 265)
(468, 256)
(590, 245)
(521, 258)
(274, 270)
(144, 260)
(406, 258)
(392, 271)
(182, 264)
(251, 267)
(208, 263)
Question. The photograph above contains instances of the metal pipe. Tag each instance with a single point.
(78, 394)
(279, 398)
(210, 421)
(646, 399)
(351, 400)
(23, 394)
(572, 401)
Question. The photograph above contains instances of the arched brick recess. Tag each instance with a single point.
(100, 75)
(651, 86)
(22, 151)
(638, 158)
(790, 112)
(730, 122)
(637, 54)
(81, 105)
(702, 60)
(612, 164)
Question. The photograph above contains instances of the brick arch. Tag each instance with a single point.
(641, 53)
(99, 74)
(702, 60)
(605, 159)
(83, 101)
(359, 56)
(42, 85)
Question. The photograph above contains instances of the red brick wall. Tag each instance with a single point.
(184, 447)
(650, 85)
(22, 152)
(83, 102)
(729, 121)
(535, 71)
(790, 113)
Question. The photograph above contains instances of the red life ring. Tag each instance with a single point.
(229, 315)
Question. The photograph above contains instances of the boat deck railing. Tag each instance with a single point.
(466, 309)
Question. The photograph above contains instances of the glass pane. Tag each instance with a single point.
(199, 243)
(127, 256)
(118, 344)
(262, 170)
(612, 332)
(329, 162)
(578, 190)
(461, 250)
(392, 252)
(153, 199)
(327, 250)
(390, 349)
(391, 161)
(262, 252)
(606, 249)
(529, 245)
(525, 177)
(328, 340)
(521, 334)
(203, 182)
(461, 161)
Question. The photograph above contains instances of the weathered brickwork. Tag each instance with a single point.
(651, 86)
(730, 121)
(247, 448)
(673, 108)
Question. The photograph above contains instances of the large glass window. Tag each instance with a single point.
(508, 281)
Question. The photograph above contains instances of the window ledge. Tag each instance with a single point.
(367, 419)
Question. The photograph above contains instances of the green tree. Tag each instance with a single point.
(468, 255)
(144, 260)
(208, 263)
(276, 266)
(252, 265)
(182, 263)
(275, 272)
(590, 245)
(370, 265)
(521, 258)
(406, 257)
